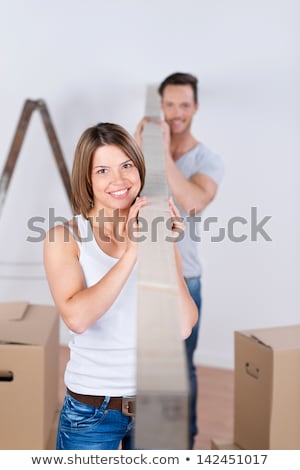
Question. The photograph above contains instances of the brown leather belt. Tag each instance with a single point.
(124, 404)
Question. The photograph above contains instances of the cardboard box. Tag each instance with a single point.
(267, 388)
(28, 374)
(222, 443)
(51, 443)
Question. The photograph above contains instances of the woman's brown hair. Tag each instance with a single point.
(92, 138)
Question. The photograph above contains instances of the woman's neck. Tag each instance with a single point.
(111, 222)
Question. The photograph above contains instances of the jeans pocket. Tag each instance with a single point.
(77, 415)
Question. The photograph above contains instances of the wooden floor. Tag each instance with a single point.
(215, 402)
(214, 406)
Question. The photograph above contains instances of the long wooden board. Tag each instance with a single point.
(162, 381)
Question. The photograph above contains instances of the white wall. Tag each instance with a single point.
(91, 61)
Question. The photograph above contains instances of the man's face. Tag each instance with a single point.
(178, 105)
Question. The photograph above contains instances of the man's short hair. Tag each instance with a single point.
(180, 78)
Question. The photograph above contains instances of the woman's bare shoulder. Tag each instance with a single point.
(65, 233)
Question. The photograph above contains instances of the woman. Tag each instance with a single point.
(91, 271)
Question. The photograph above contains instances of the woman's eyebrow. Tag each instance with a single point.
(106, 166)
(101, 166)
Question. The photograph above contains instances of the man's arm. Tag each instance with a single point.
(193, 194)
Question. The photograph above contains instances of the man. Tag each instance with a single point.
(193, 173)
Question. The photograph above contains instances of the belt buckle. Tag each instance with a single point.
(128, 406)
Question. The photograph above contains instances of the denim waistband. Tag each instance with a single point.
(196, 278)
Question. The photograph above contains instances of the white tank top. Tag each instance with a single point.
(103, 358)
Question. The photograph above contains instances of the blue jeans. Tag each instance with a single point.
(85, 427)
(194, 286)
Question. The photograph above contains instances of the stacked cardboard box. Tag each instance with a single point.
(51, 443)
(28, 374)
(267, 389)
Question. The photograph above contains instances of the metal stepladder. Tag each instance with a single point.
(29, 107)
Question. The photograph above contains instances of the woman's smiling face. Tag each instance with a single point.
(115, 179)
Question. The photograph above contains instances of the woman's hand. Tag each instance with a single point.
(132, 224)
(177, 222)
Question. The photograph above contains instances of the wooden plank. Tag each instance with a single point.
(162, 380)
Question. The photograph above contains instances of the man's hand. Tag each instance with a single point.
(138, 135)
(139, 131)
